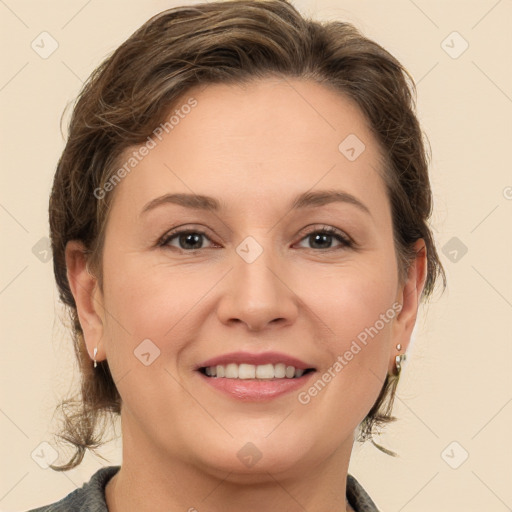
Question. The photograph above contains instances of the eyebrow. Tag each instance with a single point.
(305, 200)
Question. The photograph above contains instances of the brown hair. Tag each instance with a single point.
(235, 41)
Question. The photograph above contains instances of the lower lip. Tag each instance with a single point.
(252, 390)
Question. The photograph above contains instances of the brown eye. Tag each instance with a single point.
(323, 238)
(188, 240)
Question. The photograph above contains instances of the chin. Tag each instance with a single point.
(250, 458)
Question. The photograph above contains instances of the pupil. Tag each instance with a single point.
(191, 238)
(321, 236)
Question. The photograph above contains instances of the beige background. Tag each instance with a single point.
(458, 383)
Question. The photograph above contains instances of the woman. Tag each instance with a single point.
(239, 224)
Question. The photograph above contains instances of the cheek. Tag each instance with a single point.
(150, 322)
(147, 301)
(357, 310)
(351, 298)
(140, 295)
(362, 340)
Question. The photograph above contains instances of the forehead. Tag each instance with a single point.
(283, 115)
(257, 140)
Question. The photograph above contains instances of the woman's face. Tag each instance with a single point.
(252, 285)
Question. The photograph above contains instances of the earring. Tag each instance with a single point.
(95, 352)
(399, 360)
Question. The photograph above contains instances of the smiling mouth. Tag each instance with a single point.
(256, 372)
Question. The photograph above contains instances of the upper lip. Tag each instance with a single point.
(255, 359)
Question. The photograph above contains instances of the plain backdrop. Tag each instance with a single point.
(454, 401)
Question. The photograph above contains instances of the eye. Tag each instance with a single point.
(192, 239)
(187, 239)
(324, 237)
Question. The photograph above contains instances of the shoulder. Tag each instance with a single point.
(358, 497)
(88, 498)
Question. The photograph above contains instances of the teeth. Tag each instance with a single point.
(246, 371)
(251, 371)
(265, 371)
(279, 371)
(231, 371)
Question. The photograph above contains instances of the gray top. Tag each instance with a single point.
(91, 496)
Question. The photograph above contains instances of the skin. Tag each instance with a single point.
(254, 148)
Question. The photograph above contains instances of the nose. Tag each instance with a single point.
(258, 294)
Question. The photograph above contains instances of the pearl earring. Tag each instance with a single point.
(399, 359)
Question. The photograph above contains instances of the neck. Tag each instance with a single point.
(151, 481)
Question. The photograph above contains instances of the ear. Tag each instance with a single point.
(408, 296)
(88, 298)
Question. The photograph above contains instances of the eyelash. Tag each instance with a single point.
(345, 241)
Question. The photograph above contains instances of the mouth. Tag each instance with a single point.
(255, 377)
(246, 371)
